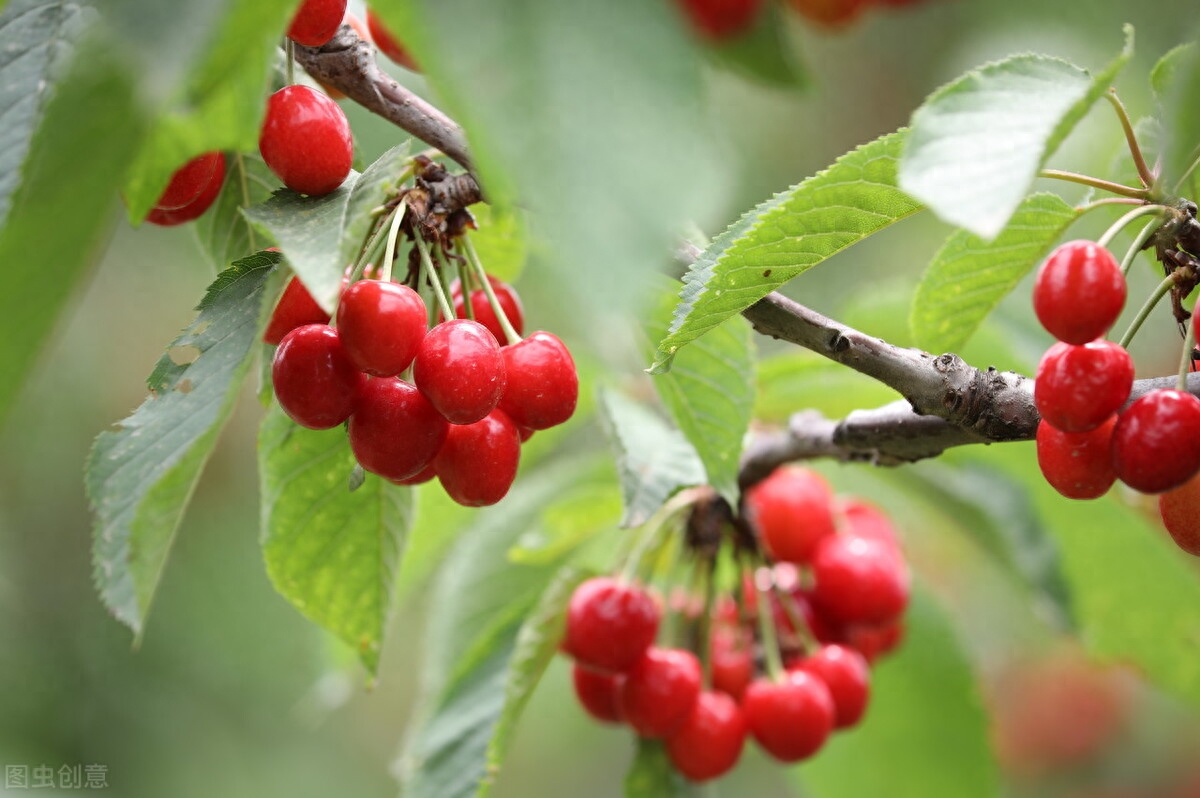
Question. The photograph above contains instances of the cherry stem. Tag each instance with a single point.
(704, 629)
(1105, 202)
(1095, 182)
(792, 610)
(1163, 288)
(429, 275)
(289, 50)
(1144, 172)
(1185, 360)
(389, 252)
(1124, 221)
(240, 163)
(766, 627)
(477, 266)
(1138, 243)
(1187, 172)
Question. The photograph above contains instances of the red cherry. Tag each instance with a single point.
(543, 385)
(823, 628)
(859, 580)
(1180, 511)
(295, 308)
(610, 624)
(721, 19)
(306, 140)
(1077, 464)
(460, 370)
(388, 44)
(1156, 443)
(382, 325)
(790, 719)
(478, 462)
(506, 296)
(190, 180)
(660, 690)
(314, 380)
(792, 511)
(394, 431)
(829, 13)
(710, 741)
(1079, 387)
(597, 693)
(731, 660)
(875, 641)
(316, 21)
(426, 474)
(844, 671)
(1079, 292)
(196, 208)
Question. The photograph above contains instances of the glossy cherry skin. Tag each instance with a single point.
(314, 380)
(659, 691)
(1079, 387)
(731, 660)
(792, 509)
(1180, 511)
(388, 44)
(1079, 292)
(460, 370)
(1156, 443)
(790, 719)
(382, 325)
(865, 520)
(426, 474)
(859, 580)
(543, 386)
(190, 180)
(306, 141)
(316, 21)
(597, 693)
(711, 739)
(610, 624)
(506, 296)
(1077, 464)
(195, 208)
(296, 307)
(846, 673)
(478, 462)
(394, 431)
(721, 19)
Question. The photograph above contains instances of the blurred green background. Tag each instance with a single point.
(233, 693)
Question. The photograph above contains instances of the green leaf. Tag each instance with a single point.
(654, 460)
(1177, 82)
(764, 53)
(331, 552)
(223, 232)
(141, 475)
(798, 380)
(501, 240)
(925, 734)
(710, 394)
(970, 275)
(373, 187)
(786, 236)
(309, 231)
(652, 776)
(977, 144)
(1169, 67)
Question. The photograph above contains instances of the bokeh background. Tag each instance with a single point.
(233, 693)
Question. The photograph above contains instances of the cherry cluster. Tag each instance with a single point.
(1089, 438)
(468, 405)
(720, 20)
(787, 654)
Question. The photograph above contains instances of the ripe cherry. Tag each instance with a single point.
(1180, 511)
(195, 208)
(792, 510)
(610, 624)
(845, 672)
(306, 140)
(478, 462)
(1079, 292)
(865, 520)
(1079, 387)
(388, 44)
(659, 691)
(1077, 464)
(426, 474)
(597, 693)
(394, 431)
(506, 296)
(314, 380)
(1156, 443)
(829, 13)
(296, 307)
(790, 719)
(316, 21)
(875, 641)
(710, 741)
(382, 325)
(721, 19)
(543, 385)
(859, 580)
(731, 660)
(460, 370)
(190, 180)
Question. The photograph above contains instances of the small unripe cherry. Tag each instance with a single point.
(610, 624)
(1156, 443)
(1079, 292)
(792, 509)
(1077, 464)
(394, 431)
(306, 141)
(1180, 511)
(382, 325)
(316, 21)
(314, 380)
(711, 739)
(1079, 387)
(478, 462)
